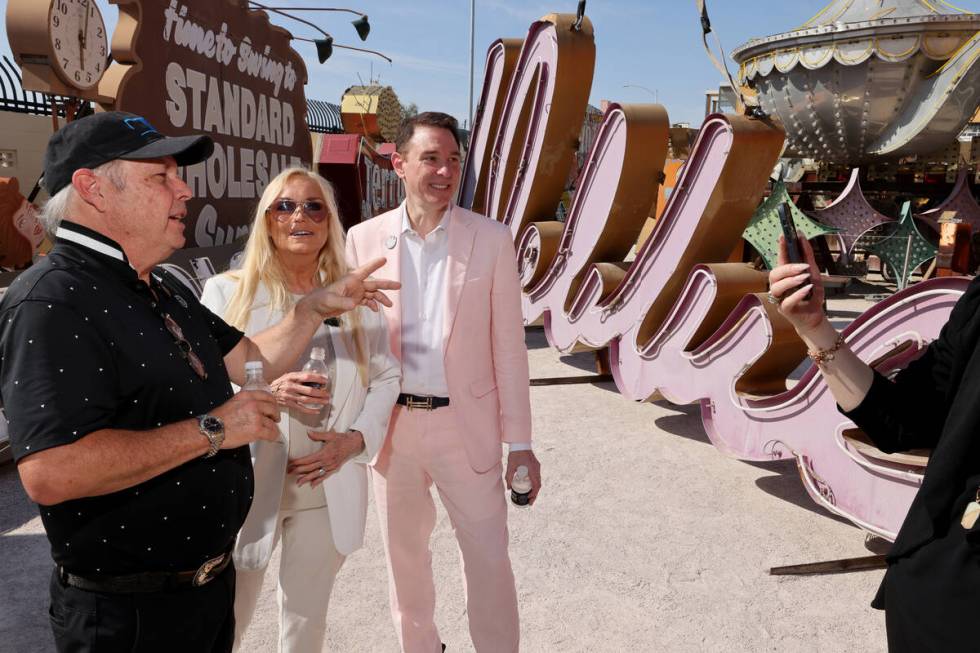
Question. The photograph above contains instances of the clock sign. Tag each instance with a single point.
(78, 42)
(62, 45)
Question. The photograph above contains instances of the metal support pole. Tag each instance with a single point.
(572, 380)
(469, 115)
(905, 267)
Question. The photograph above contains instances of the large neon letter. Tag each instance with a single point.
(718, 191)
(542, 118)
(678, 323)
(501, 58)
(617, 187)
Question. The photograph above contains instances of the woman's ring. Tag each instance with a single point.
(322, 471)
(773, 299)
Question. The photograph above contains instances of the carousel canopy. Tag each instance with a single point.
(869, 79)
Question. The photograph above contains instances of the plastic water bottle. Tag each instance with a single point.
(520, 486)
(317, 365)
(254, 380)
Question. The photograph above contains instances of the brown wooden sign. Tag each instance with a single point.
(219, 68)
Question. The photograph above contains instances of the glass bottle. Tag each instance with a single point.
(520, 486)
(317, 365)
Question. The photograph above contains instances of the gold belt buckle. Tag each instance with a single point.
(203, 575)
(413, 402)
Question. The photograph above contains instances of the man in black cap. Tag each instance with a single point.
(115, 381)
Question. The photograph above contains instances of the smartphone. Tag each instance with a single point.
(793, 250)
(789, 233)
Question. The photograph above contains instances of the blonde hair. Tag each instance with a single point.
(261, 264)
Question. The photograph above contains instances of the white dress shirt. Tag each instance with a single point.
(423, 264)
(423, 301)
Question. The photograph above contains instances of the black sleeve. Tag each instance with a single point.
(889, 427)
(58, 377)
(226, 335)
(910, 412)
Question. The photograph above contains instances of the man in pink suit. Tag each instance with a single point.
(456, 327)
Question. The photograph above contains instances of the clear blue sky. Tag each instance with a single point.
(651, 43)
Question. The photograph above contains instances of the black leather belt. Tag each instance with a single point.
(150, 581)
(425, 402)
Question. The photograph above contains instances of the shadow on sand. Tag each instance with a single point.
(686, 422)
(534, 337)
(783, 482)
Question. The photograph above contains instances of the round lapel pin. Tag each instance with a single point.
(390, 242)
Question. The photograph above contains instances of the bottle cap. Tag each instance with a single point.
(253, 365)
(521, 483)
(318, 353)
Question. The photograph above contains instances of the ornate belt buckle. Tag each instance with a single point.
(415, 402)
(203, 575)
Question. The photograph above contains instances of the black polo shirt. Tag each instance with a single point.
(83, 347)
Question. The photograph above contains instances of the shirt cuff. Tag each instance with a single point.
(518, 446)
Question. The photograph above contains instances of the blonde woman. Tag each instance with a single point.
(310, 491)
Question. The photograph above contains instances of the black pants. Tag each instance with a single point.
(932, 597)
(189, 620)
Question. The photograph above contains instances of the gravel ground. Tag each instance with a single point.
(645, 538)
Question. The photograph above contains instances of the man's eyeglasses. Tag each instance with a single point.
(185, 347)
(282, 210)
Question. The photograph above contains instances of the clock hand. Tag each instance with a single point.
(83, 35)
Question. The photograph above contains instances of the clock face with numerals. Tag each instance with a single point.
(78, 42)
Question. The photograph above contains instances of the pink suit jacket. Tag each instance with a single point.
(485, 355)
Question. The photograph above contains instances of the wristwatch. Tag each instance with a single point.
(214, 430)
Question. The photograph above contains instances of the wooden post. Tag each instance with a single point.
(953, 256)
(865, 563)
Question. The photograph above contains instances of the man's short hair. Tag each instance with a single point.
(426, 119)
(60, 205)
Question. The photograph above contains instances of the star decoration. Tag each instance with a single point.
(851, 215)
(903, 249)
(960, 205)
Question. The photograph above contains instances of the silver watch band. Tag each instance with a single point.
(213, 445)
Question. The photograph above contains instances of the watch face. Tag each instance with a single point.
(79, 44)
(212, 424)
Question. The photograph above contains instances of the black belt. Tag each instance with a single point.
(150, 581)
(425, 402)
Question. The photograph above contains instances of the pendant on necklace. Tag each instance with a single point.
(970, 515)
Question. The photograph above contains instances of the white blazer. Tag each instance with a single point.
(365, 409)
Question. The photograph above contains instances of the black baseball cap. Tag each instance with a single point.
(103, 137)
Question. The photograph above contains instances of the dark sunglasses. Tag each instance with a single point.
(185, 347)
(282, 210)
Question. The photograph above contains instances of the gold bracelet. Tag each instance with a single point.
(823, 356)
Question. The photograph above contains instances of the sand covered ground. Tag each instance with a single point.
(645, 538)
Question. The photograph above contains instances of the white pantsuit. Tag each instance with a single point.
(314, 541)
(305, 582)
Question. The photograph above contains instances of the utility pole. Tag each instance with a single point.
(469, 115)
